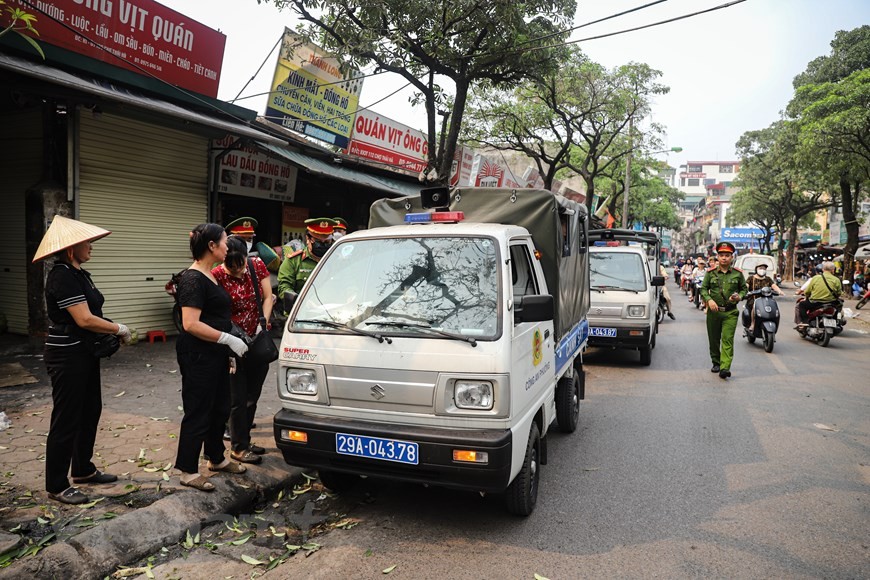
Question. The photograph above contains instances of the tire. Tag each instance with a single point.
(646, 356)
(825, 339)
(768, 341)
(337, 481)
(660, 316)
(522, 494)
(652, 343)
(750, 337)
(861, 303)
(176, 318)
(568, 403)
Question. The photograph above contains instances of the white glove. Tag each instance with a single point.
(124, 333)
(237, 345)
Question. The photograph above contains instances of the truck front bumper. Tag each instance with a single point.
(436, 465)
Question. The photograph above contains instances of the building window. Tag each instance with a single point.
(726, 183)
(694, 182)
(726, 169)
(709, 181)
(695, 168)
(682, 182)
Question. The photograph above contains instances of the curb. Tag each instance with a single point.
(97, 552)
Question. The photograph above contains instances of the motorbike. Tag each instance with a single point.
(171, 288)
(696, 298)
(864, 299)
(824, 323)
(661, 309)
(766, 318)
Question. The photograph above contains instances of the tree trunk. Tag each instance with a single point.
(453, 135)
(792, 247)
(850, 202)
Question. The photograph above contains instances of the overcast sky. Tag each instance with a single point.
(729, 71)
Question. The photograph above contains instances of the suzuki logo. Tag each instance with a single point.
(597, 311)
(378, 392)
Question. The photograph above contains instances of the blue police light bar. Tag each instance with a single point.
(435, 216)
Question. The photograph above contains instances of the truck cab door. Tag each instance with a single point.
(532, 351)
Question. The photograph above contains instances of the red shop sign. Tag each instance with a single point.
(137, 34)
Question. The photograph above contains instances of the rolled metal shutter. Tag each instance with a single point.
(147, 184)
(20, 168)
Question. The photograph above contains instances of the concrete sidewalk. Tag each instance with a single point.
(147, 508)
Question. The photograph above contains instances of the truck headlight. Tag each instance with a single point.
(473, 395)
(301, 381)
(637, 311)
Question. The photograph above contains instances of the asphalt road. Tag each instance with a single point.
(673, 473)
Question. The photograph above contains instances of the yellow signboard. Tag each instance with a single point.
(311, 94)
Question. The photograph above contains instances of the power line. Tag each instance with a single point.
(618, 32)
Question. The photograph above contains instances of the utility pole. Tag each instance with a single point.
(627, 176)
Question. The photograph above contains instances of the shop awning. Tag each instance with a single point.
(120, 94)
(354, 176)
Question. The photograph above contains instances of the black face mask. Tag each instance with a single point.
(319, 248)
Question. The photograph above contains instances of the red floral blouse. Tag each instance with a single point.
(245, 311)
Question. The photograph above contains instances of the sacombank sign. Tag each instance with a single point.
(742, 234)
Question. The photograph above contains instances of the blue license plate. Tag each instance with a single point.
(598, 331)
(377, 448)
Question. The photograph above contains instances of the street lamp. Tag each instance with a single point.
(628, 176)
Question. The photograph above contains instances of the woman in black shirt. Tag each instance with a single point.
(75, 309)
(204, 351)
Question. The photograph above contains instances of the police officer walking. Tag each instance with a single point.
(722, 289)
(296, 268)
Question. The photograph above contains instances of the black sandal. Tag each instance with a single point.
(256, 449)
(96, 477)
(246, 456)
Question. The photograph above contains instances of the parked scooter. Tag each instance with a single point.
(766, 318)
(824, 323)
(171, 288)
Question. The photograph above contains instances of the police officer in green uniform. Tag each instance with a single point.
(296, 268)
(722, 289)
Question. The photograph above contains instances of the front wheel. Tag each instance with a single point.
(522, 494)
(862, 302)
(768, 341)
(646, 356)
(568, 403)
(660, 315)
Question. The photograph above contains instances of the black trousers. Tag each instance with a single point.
(75, 392)
(246, 385)
(205, 395)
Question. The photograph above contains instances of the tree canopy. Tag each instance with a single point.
(466, 42)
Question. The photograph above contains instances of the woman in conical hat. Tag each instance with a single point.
(75, 310)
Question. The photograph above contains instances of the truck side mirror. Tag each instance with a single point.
(537, 308)
(288, 300)
(658, 280)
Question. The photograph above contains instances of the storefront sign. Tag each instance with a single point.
(532, 177)
(380, 139)
(693, 175)
(463, 162)
(311, 93)
(248, 171)
(293, 227)
(136, 35)
(488, 173)
(742, 237)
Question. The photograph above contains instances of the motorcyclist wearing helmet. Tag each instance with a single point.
(296, 268)
(758, 281)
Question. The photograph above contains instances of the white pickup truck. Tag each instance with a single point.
(440, 351)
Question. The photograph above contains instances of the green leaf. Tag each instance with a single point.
(90, 504)
(252, 561)
(42, 520)
(390, 569)
(539, 577)
(242, 540)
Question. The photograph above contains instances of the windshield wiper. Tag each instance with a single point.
(601, 287)
(469, 339)
(332, 324)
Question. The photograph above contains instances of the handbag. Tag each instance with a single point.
(262, 349)
(103, 345)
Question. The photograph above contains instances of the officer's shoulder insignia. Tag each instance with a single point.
(297, 253)
(737, 270)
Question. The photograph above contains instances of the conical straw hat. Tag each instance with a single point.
(64, 233)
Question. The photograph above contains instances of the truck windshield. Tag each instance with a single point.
(616, 271)
(447, 284)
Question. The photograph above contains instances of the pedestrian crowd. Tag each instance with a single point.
(223, 350)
